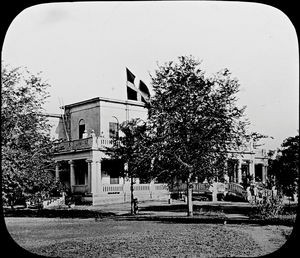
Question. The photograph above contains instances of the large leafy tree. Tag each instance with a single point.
(194, 120)
(25, 135)
(285, 167)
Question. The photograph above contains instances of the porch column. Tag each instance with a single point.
(239, 176)
(264, 173)
(252, 170)
(234, 174)
(151, 188)
(89, 175)
(56, 171)
(99, 187)
(72, 174)
(225, 176)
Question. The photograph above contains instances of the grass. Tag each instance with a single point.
(114, 238)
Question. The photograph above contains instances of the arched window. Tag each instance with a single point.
(81, 128)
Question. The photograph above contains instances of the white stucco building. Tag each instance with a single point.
(89, 126)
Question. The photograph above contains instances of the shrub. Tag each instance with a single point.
(269, 207)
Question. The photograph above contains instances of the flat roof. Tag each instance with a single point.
(52, 115)
(124, 102)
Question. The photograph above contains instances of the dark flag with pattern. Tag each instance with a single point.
(144, 91)
(132, 92)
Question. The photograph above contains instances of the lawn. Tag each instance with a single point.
(109, 237)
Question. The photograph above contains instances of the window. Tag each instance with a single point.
(114, 169)
(81, 128)
(114, 181)
(113, 130)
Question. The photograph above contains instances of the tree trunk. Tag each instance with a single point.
(189, 197)
(131, 196)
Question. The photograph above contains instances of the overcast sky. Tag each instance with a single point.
(83, 48)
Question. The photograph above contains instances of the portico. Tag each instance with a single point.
(83, 168)
(86, 171)
(247, 165)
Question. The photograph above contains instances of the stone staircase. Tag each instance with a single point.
(236, 189)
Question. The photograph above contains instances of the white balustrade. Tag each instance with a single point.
(86, 143)
(112, 188)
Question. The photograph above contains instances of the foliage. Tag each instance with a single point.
(269, 207)
(127, 149)
(257, 137)
(285, 167)
(193, 121)
(25, 144)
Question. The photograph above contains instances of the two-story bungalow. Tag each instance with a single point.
(89, 126)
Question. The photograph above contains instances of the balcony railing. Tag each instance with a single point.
(84, 144)
(104, 142)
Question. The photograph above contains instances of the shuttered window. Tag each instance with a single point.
(113, 130)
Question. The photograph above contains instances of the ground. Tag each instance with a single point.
(111, 237)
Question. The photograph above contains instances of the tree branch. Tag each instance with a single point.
(182, 162)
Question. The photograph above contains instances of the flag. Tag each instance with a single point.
(144, 91)
(132, 92)
(130, 76)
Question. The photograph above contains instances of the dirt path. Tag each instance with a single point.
(269, 238)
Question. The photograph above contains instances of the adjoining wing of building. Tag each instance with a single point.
(89, 126)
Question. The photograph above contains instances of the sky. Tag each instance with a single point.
(83, 49)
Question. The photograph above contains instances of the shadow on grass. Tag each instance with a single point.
(56, 213)
(228, 209)
(163, 208)
(202, 214)
(214, 219)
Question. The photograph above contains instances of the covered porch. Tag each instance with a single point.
(244, 170)
(80, 172)
(75, 174)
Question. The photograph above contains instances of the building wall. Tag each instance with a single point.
(60, 132)
(116, 113)
(97, 115)
(90, 112)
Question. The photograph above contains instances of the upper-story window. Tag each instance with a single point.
(81, 128)
(113, 130)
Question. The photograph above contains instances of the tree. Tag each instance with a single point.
(25, 143)
(285, 167)
(193, 122)
(127, 150)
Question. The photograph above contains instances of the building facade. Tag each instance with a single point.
(87, 128)
(247, 164)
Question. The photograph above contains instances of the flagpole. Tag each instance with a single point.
(142, 95)
(131, 179)
(127, 112)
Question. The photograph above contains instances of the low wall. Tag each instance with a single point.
(121, 193)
